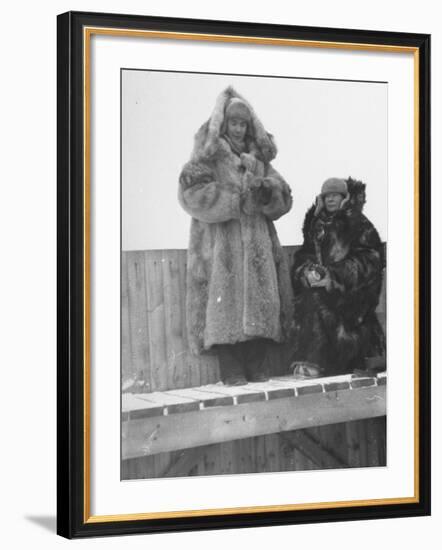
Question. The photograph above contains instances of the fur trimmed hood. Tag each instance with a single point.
(208, 139)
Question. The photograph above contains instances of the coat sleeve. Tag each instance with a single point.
(204, 198)
(278, 195)
(362, 268)
(305, 256)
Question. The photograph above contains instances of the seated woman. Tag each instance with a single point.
(337, 279)
(239, 296)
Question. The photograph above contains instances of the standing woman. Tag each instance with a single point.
(239, 297)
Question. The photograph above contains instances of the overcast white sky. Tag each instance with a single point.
(322, 129)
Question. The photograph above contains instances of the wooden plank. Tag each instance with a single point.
(157, 336)
(244, 449)
(178, 373)
(353, 457)
(137, 468)
(271, 391)
(320, 437)
(208, 463)
(362, 382)
(183, 462)
(227, 423)
(134, 407)
(188, 364)
(290, 458)
(206, 398)
(272, 452)
(313, 434)
(314, 385)
(137, 304)
(240, 394)
(202, 369)
(336, 385)
(209, 370)
(213, 372)
(363, 446)
(160, 463)
(169, 337)
(301, 461)
(226, 457)
(127, 370)
(127, 469)
(333, 440)
(313, 450)
(381, 427)
(321, 380)
(294, 452)
(204, 374)
(372, 448)
(260, 454)
(191, 361)
(172, 404)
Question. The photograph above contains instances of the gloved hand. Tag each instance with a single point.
(266, 191)
(251, 196)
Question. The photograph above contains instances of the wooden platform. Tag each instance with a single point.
(183, 418)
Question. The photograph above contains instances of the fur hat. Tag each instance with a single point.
(238, 108)
(334, 185)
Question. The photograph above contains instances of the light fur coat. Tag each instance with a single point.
(238, 282)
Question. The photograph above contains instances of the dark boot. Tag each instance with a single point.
(259, 376)
(257, 360)
(231, 365)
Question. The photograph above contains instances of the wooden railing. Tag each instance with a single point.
(172, 420)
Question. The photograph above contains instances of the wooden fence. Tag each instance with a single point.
(155, 357)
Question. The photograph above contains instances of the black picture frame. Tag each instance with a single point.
(72, 501)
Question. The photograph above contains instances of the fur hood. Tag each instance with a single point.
(208, 140)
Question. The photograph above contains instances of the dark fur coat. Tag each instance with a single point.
(238, 280)
(336, 326)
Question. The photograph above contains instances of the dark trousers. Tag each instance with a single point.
(249, 359)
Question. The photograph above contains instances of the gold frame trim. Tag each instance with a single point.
(87, 34)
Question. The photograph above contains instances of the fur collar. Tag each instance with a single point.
(208, 139)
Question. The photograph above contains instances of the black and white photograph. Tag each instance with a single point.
(243, 267)
(220, 284)
(253, 274)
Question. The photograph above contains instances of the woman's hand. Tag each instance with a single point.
(323, 282)
(250, 201)
(250, 197)
(316, 276)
